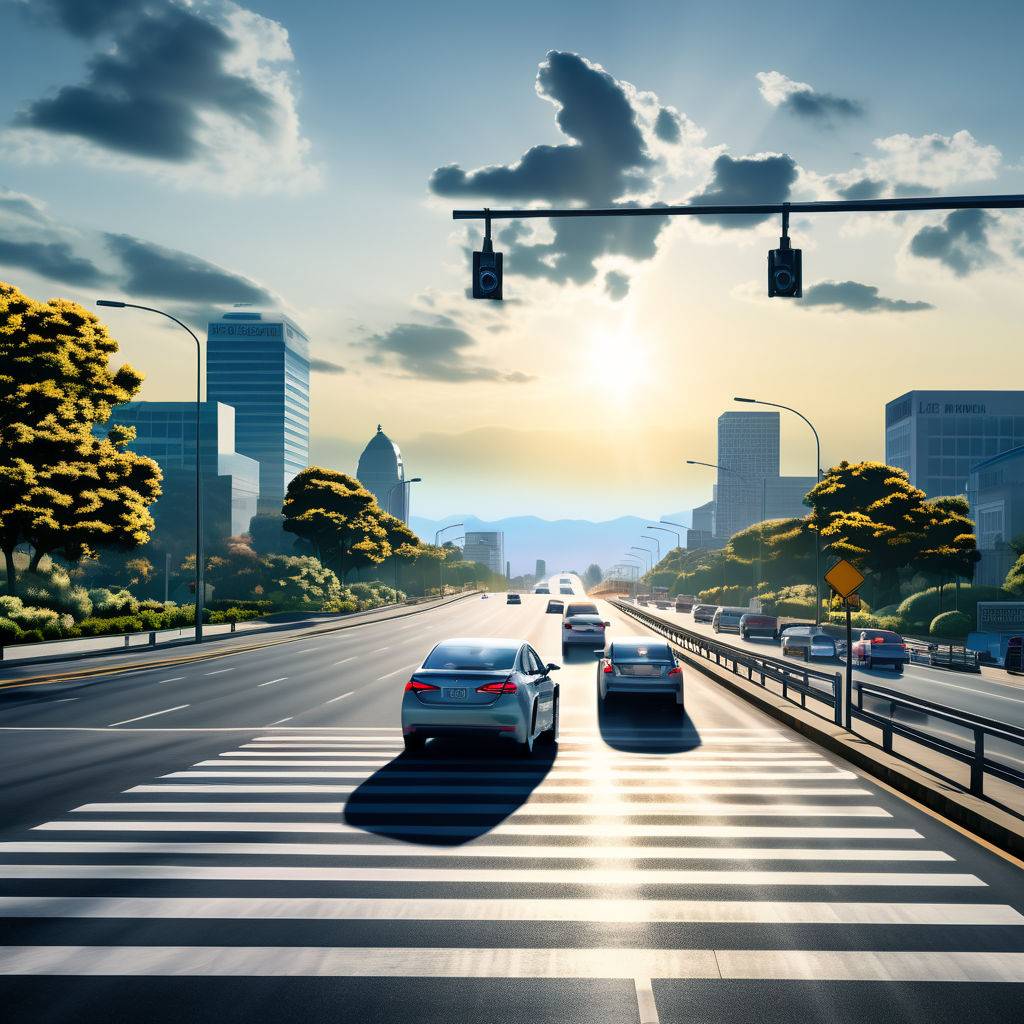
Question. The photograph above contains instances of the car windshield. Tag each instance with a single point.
(580, 609)
(472, 656)
(641, 651)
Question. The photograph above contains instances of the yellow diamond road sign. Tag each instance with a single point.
(844, 578)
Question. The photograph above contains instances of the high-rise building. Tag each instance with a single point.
(995, 491)
(541, 569)
(487, 548)
(382, 472)
(784, 496)
(748, 452)
(259, 364)
(938, 436)
(166, 433)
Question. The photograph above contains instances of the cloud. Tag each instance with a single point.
(667, 125)
(318, 365)
(961, 242)
(168, 273)
(862, 188)
(857, 297)
(764, 178)
(194, 92)
(53, 260)
(616, 285)
(435, 351)
(804, 101)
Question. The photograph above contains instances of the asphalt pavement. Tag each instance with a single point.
(242, 839)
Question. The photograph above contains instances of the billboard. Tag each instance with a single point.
(1001, 617)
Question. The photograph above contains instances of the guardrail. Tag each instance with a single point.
(970, 743)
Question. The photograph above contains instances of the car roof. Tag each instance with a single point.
(482, 641)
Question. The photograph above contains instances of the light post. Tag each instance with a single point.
(635, 579)
(673, 532)
(655, 541)
(391, 490)
(440, 562)
(648, 553)
(817, 474)
(200, 558)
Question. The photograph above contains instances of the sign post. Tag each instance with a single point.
(845, 580)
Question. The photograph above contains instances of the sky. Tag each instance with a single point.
(306, 155)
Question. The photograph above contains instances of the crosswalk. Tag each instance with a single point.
(608, 861)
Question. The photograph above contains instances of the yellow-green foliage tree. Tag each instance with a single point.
(62, 489)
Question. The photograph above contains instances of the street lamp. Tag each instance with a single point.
(673, 532)
(391, 490)
(648, 552)
(440, 561)
(657, 543)
(200, 557)
(817, 474)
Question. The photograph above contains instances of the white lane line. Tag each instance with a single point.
(173, 679)
(388, 675)
(341, 696)
(598, 830)
(607, 809)
(506, 962)
(344, 661)
(630, 877)
(280, 720)
(488, 851)
(966, 689)
(308, 650)
(647, 1008)
(649, 911)
(380, 650)
(62, 700)
(270, 682)
(564, 775)
(445, 789)
(221, 671)
(375, 747)
(152, 714)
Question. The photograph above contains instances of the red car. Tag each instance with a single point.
(758, 624)
(880, 647)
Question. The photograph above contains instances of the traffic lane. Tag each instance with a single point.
(966, 692)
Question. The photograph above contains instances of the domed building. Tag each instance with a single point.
(382, 472)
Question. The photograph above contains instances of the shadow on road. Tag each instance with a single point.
(452, 792)
(646, 724)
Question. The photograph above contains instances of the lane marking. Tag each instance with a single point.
(173, 679)
(628, 877)
(489, 851)
(62, 700)
(388, 675)
(308, 650)
(380, 650)
(270, 682)
(341, 696)
(646, 1006)
(152, 714)
(563, 775)
(280, 720)
(221, 671)
(344, 660)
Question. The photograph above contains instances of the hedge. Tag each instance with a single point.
(951, 625)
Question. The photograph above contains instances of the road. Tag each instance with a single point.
(249, 844)
(982, 694)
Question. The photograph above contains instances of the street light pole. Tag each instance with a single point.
(391, 490)
(817, 474)
(200, 556)
(440, 561)
(648, 553)
(673, 532)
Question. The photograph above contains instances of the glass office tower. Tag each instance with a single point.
(259, 364)
(748, 451)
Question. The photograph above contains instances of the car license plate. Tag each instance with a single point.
(454, 693)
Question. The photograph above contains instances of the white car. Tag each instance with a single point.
(582, 624)
(640, 665)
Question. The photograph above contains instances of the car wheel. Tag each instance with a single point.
(565, 650)
(550, 737)
(744, 635)
(413, 742)
(526, 747)
(898, 667)
(869, 664)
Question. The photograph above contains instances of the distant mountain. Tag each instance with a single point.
(562, 543)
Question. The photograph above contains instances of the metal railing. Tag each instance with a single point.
(962, 737)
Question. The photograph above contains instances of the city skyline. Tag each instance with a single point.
(262, 196)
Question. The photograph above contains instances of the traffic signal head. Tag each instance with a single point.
(785, 276)
(487, 273)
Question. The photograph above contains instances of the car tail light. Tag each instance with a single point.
(417, 686)
(565, 625)
(677, 671)
(505, 686)
(878, 639)
(608, 669)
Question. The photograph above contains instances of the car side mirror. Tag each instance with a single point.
(552, 667)
(607, 623)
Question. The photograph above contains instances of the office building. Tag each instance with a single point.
(541, 569)
(938, 436)
(381, 471)
(995, 491)
(748, 452)
(166, 433)
(258, 363)
(784, 496)
(487, 548)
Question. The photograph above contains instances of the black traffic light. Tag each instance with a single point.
(785, 266)
(487, 268)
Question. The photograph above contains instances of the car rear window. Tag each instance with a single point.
(580, 609)
(472, 656)
(882, 634)
(640, 651)
(586, 618)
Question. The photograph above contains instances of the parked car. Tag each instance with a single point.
(880, 647)
(759, 624)
(727, 620)
(807, 642)
(492, 686)
(704, 612)
(555, 607)
(685, 602)
(513, 599)
(637, 666)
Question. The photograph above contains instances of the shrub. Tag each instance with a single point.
(31, 636)
(919, 609)
(106, 604)
(344, 604)
(235, 614)
(731, 596)
(10, 632)
(111, 625)
(796, 601)
(951, 625)
(868, 620)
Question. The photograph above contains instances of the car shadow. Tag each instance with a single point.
(451, 792)
(652, 725)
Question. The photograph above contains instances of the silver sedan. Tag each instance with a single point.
(482, 686)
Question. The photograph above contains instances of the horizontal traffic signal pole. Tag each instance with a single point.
(1009, 202)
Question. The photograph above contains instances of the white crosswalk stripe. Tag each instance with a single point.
(752, 830)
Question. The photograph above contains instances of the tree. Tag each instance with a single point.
(593, 575)
(62, 488)
(338, 517)
(950, 549)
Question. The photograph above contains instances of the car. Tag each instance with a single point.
(727, 620)
(497, 687)
(642, 599)
(807, 642)
(484, 597)
(581, 624)
(704, 612)
(513, 599)
(542, 590)
(639, 665)
(565, 590)
(555, 607)
(880, 647)
(759, 624)
(685, 602)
